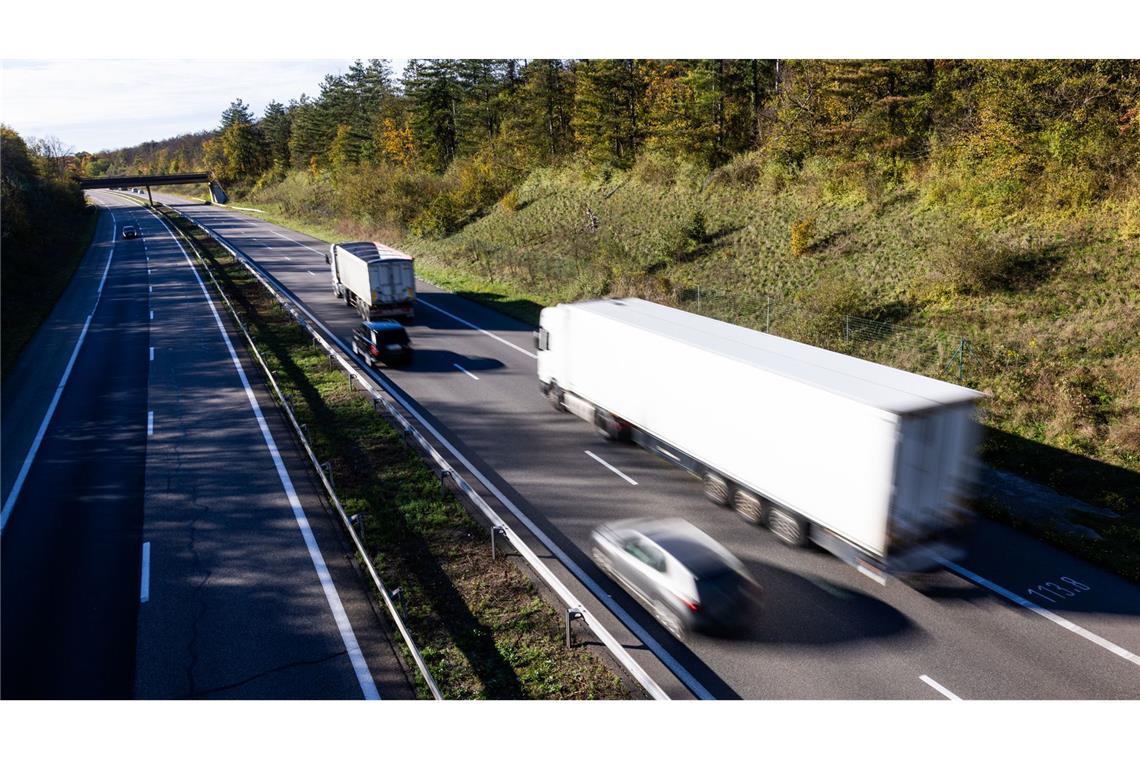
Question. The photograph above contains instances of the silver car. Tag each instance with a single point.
(685, 578)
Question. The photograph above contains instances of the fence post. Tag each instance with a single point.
(847, 327)
(767, 313)
(698, 298)
(961, 357)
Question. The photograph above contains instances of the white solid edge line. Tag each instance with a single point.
(464, 371)
(476, 327)
(670, 662)
(10, 502)
(940, 688)
(611, 468)
(144, 585)
(1048, 615)
(298, 242)
(359, 665)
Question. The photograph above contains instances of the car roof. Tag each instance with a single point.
(384, 324)
(690, 546)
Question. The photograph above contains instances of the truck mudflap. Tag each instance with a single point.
(924, 558)
(915, 560)
(389, 310)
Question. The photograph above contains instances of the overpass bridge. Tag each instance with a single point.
(217, 194)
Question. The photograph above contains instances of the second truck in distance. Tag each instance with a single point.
(374, 279)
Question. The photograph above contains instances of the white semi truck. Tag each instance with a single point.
(376, 280)
(871, 463)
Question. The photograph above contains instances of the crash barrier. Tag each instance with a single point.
(395, 408)
(324, 471)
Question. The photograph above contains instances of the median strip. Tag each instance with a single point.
(480, 623)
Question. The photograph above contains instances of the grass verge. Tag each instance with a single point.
(33, 285)
(482, 626)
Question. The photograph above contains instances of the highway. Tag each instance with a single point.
(987, 628)
(162, 536)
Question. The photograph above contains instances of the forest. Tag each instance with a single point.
(46, 227)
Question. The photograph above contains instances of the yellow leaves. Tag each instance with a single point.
(398, 143)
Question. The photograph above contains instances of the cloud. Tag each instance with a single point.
(101, 104)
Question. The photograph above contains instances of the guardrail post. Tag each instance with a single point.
(572, 614)
(496, 530)
(327, 467)
(443, 475)
(357, 522)
(398, 597)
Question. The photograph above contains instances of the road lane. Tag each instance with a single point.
(242, 601)
(70, 549)
(828, 632)
(215, 584)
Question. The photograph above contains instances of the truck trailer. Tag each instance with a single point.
(872, 463)
(374, 279)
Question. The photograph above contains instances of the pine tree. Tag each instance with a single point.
(277, 126)
(608, 110)
(433, 91)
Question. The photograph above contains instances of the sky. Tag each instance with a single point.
(93, 105)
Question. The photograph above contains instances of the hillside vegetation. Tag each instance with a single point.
(45, 227)
(978, 221)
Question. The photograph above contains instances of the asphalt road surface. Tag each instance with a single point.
(994, 628)
(166, 539)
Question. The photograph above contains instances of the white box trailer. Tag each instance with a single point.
(376, 280)
(870, 462)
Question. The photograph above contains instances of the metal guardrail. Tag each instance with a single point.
(320, 469)
(574, 609)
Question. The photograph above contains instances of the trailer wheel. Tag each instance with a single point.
(609, 427)
(790, 529)
(716, 489)
(554, 396)
(749, 506)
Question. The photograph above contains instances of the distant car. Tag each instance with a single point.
(385, 341)
(680, 574)
(130, 231)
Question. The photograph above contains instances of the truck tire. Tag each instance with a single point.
(717, 489)
(789, 528)
(554, 396)
(609, 427)
(749, 506)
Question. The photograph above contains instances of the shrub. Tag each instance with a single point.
(696, 228)
(509, 203)
(803, 230)
(825, 306)
(441, 218)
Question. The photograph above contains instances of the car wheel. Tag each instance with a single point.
(716, 489)
(668, 620)
(789, 528)
(602, 561)
(749, 506)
